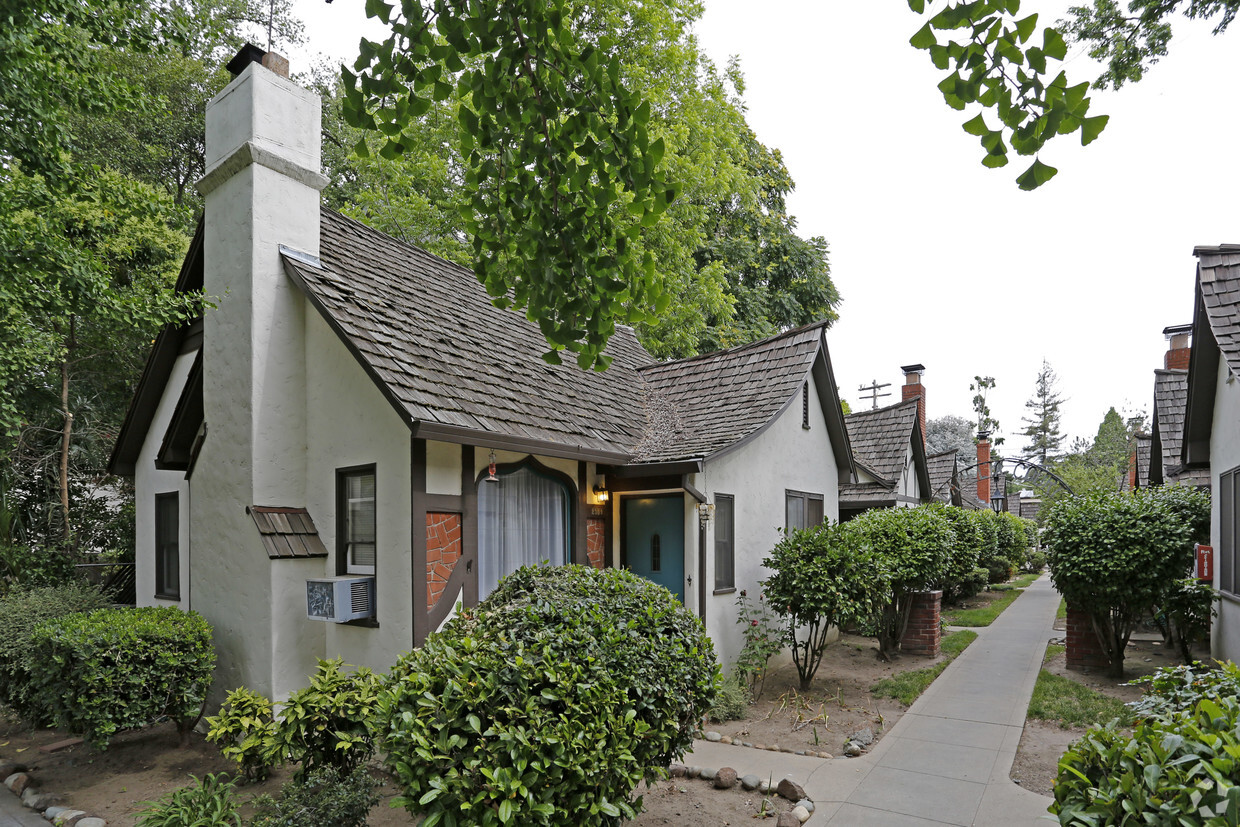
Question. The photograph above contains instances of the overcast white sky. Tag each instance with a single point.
(943, 262)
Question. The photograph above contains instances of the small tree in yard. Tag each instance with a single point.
(1115, 555)
(824, 577)
(917, 545)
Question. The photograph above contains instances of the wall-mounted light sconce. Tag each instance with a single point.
(601, 494)
(706, 513)
(491, 475)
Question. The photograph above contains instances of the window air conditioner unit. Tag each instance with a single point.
(340, 599)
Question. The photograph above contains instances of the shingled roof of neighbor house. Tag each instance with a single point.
(941, 468)
(880, 438)
(1144, 443)
(1218, 271)
(1170, 399)
(699, 406)
(287, 532)
(453, 363)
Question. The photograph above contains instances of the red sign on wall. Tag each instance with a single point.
(1205, 563)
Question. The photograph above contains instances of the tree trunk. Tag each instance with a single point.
(65, 436)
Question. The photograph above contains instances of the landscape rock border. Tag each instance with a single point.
(726, 778)
(19, 781)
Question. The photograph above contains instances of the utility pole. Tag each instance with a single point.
(874, 389)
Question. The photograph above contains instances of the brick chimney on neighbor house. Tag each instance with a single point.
(1179, 350)
(983, 467)
(913, 389)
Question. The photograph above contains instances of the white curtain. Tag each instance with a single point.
(522, 520)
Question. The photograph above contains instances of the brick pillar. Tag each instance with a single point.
(1085, 651)
(924, 632)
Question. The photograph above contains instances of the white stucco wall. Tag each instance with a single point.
(148, 482)
(351, 423)
(1224, 456)
(785, 457)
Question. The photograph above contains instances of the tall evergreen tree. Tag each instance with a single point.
(1042, 425)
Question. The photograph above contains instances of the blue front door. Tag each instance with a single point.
(654, 539)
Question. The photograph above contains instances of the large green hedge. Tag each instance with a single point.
(118, 669)
(958, 576)
(917, 546)
(549, 702)
(21, 611)
(1115, 555)
(824, 577)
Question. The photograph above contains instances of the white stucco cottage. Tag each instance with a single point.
(356, 408)
(1211, 440)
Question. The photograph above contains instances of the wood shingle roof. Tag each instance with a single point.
(1218, 272)
(881, 438)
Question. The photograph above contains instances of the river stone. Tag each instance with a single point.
(677, 771)
(790, 790)
(801, 813)
(864, 737)
(725, 779)
(713, 736)
(69, 818)
(709, 773)
(38, 801)
(807, 804)
(787, 820)
(750, 782)
(17, 782)
(852, 749)
(92, 822)
(694, 772)
(727, 739)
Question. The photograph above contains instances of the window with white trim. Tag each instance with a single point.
(355, 507)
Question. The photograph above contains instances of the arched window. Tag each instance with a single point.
(524, 518)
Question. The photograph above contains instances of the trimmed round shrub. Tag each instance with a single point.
(118, 669)
(962, 563)
(916, 544)
(824, 577)
(549, 702)
(21, 611)
(1115, 555)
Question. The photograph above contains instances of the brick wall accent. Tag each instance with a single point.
(1084, 650)
(924, 632)
(596, 542)
(1177, 358)
(443, 550)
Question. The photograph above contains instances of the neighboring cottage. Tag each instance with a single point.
(1211, 442)
(943, 471)
(1170, 401)
(1139, 461)
(357, 434)
(889, 451)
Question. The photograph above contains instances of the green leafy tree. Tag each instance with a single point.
(1115, 555)
(90, 269)
(561, 171)
(1042, 425)
(824, 579)
(916, 544)
(726, 250)
(999, 61)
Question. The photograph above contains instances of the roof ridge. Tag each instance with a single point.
(714, 354)
(892, 406)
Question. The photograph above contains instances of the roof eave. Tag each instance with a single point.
(1203, 363)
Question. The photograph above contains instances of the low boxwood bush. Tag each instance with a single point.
(549, 702)
(1176, 689)
(973, 584)
(21, 611)
(326, 798)
(118, 669)
(1178, 769)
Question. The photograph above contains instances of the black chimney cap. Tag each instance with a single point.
(249, 54)
(913, 369)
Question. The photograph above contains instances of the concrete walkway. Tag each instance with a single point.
(13, 814)
(947, 760)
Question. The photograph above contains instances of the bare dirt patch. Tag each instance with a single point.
(838, 703)
(683, 801)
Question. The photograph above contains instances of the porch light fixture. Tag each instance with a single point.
(601, 494)
(706, 512)
(996, 503)
(491, 476)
